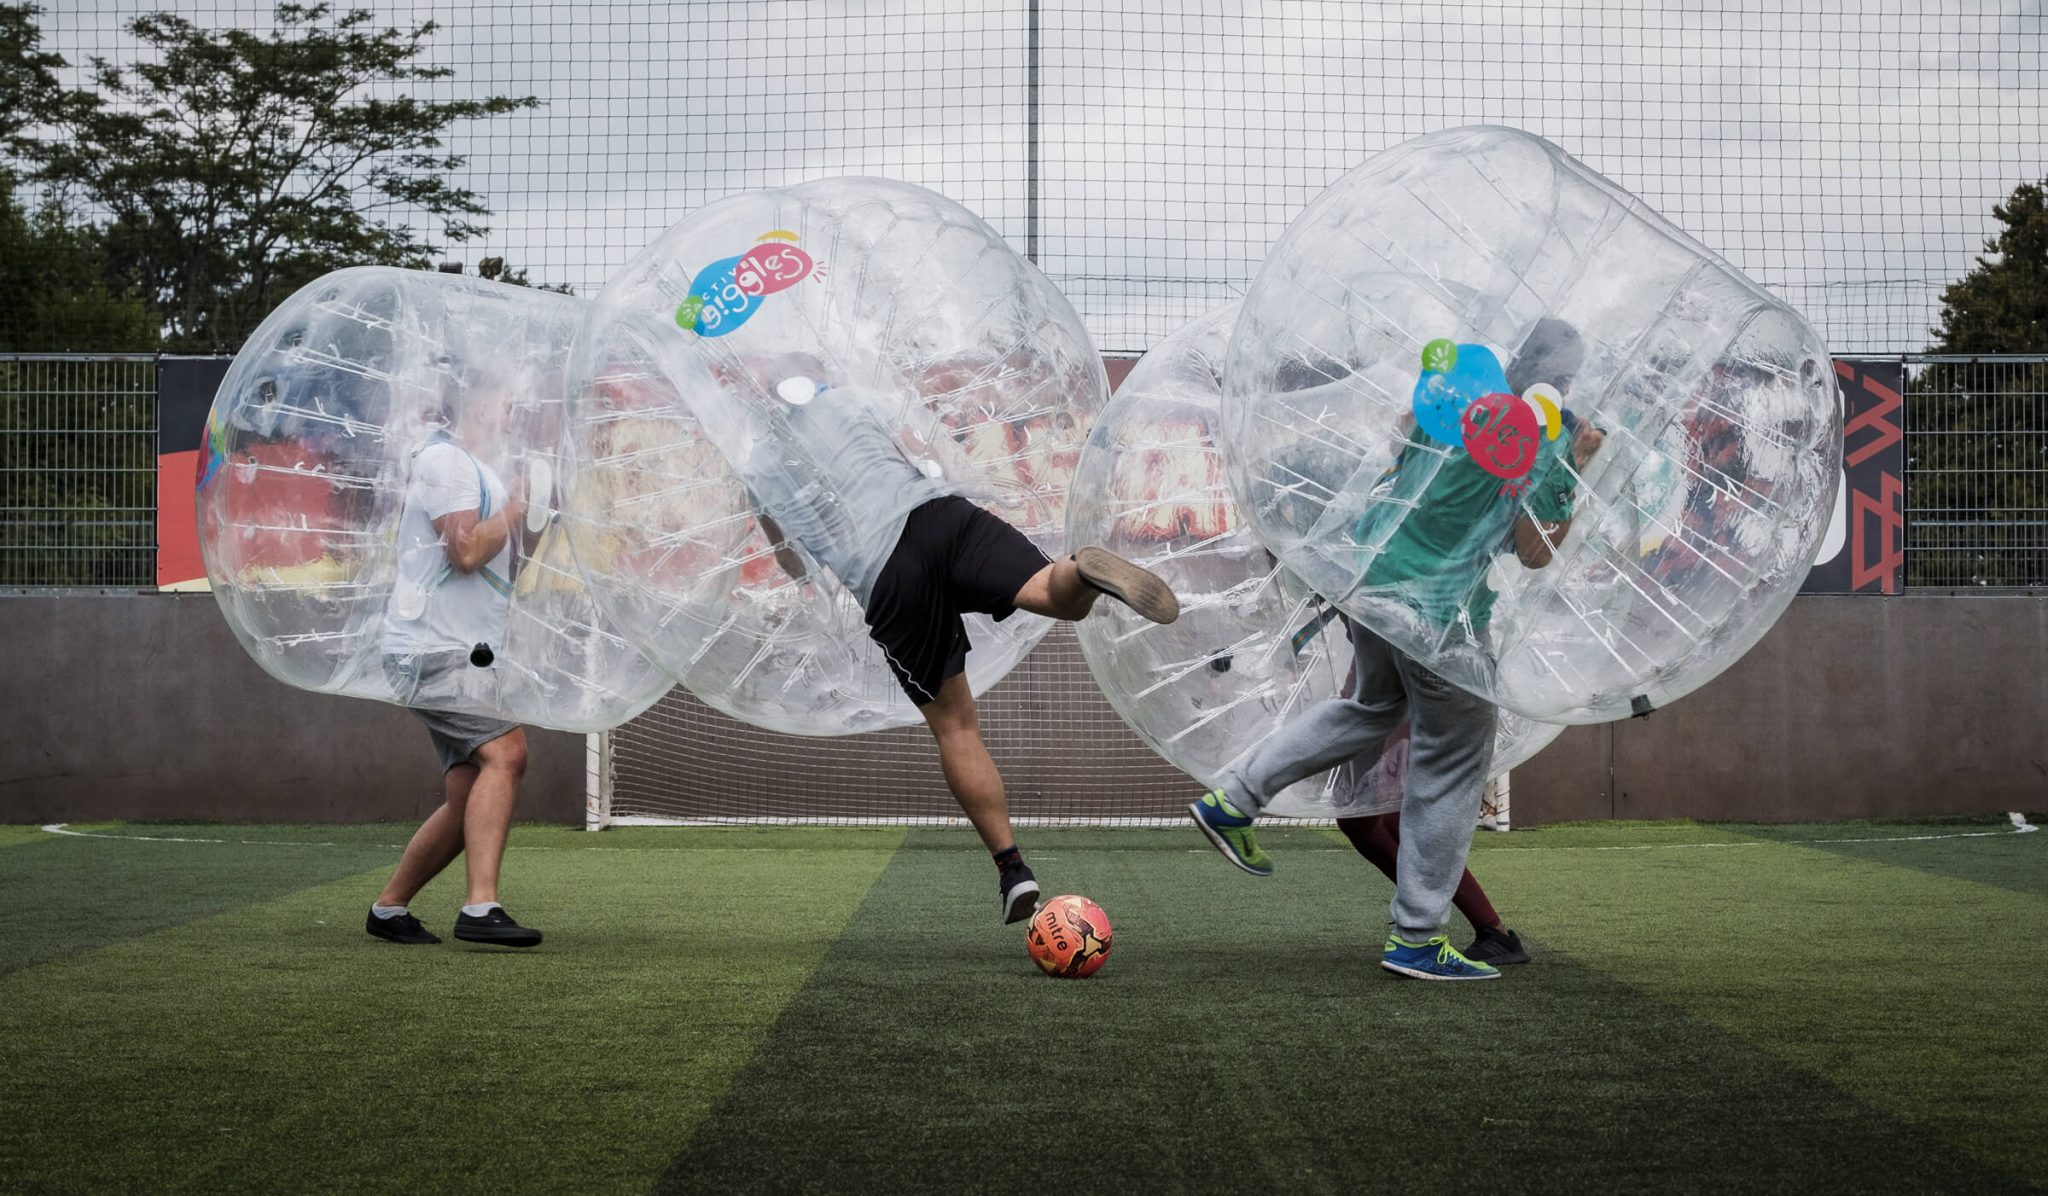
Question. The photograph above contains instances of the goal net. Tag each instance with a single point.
(1067, 760)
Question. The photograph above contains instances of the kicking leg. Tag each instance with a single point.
(1057, 592)
(1067, 589)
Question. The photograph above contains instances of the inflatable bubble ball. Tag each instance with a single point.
(1253, 646)
(758, 400)
(378, 504)
(1496, 409)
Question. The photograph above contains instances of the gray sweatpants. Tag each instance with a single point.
(1450, 750)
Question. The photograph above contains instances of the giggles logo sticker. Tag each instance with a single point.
(727, 293)
(1463, 398)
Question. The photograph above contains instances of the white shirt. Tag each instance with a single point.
(835, 479)
(435, 607)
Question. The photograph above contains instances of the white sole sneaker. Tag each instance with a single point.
(1020, 901)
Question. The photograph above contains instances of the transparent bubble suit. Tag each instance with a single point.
(311, 449)
(1204, 690)
(1545, 297)
(863, 286)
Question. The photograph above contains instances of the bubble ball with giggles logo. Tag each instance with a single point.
(733, 366)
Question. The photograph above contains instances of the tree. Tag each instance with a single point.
(52, 289)
(28, 77)
(1978, 471)
(2001, 306)
(236, 167)
(495, 269)
(53, 280)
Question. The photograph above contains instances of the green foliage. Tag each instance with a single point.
(495, 269)
(237, 166)
(28, 78)
(53, 275)
(2001, 306)
(1978, 469)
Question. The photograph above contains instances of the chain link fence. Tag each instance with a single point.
(1976, 471)
(78, 461)
(77, 470)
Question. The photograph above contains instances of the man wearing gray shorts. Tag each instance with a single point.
(1437, 559)
(455, 545)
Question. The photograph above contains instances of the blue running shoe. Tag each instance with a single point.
(1230, 829)
(1433, 960)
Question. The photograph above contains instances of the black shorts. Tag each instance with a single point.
(953, 559)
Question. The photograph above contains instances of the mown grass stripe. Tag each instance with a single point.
(2003, 858)
(1914, 992)
(275, 1047)
(1242, 1037)
(62, 896)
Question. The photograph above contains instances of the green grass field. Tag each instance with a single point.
(1850, 1007)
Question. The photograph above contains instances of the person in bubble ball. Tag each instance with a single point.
(862, 494)
(457, 534)
(1437, 556)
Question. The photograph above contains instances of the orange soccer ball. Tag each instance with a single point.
(1068, 937)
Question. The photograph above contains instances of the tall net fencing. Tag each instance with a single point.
(1846, 153)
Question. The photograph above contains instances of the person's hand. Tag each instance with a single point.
(1585, 444)
(515, 501)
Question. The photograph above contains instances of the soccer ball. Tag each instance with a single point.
(1068, 937)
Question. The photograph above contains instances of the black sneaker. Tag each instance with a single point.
(496, 928)
(1133, 585)
(1018, 890)
(1497, 946)
(398, 928)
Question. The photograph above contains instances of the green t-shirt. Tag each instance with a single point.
(1441, 531)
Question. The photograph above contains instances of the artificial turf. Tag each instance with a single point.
(1847, 1007)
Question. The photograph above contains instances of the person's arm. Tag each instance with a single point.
(471, 543)
(785, 556)
(451, 489)
(1536, 540)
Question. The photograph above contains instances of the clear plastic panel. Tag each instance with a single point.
(1408, 381)
(364, 391)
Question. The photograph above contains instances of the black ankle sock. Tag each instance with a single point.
(1009, 857)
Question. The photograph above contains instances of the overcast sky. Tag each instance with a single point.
(1845, 153)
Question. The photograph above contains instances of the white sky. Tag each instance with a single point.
(1845, 153)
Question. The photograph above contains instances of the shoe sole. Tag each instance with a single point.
(1016, 901)
(1421, 974)
(500, 941)
(1133, 585)
(1221, 844)
(1505, 961)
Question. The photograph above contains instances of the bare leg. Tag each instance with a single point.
(436, 844)
(1057, 592)
(488, 820)
(970, 771)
